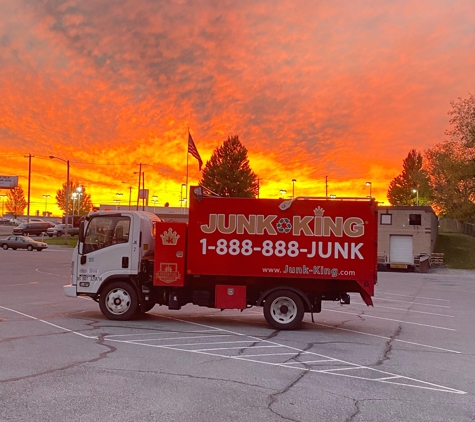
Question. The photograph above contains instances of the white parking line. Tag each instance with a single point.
(390, 319)
(408, 310)
(414, 303)
(407, 381)
(414, 297)
(371, 335)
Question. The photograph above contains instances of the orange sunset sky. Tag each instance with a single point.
(312, 88)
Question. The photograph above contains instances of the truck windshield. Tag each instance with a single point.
(104, 231)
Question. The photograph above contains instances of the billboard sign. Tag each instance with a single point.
(8, 182)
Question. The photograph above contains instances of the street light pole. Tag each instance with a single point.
(46, 203)
(67, 197)
(370, 188)
(293, 188)
(416, 191)
(181, 195)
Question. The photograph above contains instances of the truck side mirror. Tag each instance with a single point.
(81, 232)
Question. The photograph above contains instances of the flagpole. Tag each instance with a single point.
(187, 154)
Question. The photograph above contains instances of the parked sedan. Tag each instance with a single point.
(22, 242)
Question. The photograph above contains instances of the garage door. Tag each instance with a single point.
(400, 249)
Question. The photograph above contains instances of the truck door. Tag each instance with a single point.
(106, 251)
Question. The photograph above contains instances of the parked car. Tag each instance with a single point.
(22, 242)
(58, 230)
(31, 229)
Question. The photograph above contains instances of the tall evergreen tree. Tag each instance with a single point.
(16, 202)
(413, 177)
(228, 173)
(81, 205)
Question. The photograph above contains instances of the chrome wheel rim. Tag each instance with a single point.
(118, 301)
(283, 310)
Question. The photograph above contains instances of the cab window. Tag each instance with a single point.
(103, 232)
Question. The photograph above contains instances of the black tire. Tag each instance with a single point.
(118, 301)
(5, 246)
(284, 310)
(29, 247)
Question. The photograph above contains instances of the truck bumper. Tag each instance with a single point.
(70, 290)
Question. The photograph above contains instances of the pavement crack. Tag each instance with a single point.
(356, 412)
(102, 355)
(274, 397)
(389, 346)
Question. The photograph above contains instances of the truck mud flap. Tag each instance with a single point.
(366, 298)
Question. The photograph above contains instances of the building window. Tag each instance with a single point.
(386, 219)
(415, 219)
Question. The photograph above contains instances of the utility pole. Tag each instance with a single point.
(29, 156)
(326, 186)
(140, 178)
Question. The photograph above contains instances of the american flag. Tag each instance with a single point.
(193, 151)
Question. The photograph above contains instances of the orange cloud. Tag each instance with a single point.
(314, 90)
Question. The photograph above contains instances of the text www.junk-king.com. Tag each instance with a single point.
(315, 270)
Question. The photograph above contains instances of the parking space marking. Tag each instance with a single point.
(48, 323)
(401, 309)
(369, 334)
(391, 319)
(413, 303)
(414, 297)
(366, 373)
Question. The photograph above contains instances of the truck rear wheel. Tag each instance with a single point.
(284, 310)
(118, 301)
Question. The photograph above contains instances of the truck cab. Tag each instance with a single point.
(111, 247)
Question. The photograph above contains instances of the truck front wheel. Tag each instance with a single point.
(118, 301)
(284, 310)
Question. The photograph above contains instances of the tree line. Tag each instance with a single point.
(79, 204)
(444, 175)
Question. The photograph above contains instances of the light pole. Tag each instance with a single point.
(155, 202)
(130, 194)
(118, 198)
(78, 202)
(67, 197)
(283, 192)
(293, 188)
(3, 196)
(370, 188)
(181, 195)
(74, 196)
(416, 191)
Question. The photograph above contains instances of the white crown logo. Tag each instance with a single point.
(169, 237)
(318, 211)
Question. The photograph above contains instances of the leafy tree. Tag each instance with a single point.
(81, 205)
(413, 177)
(228, 173)
(463, 121)
(451, 164)
(452, 180)
(16, 202)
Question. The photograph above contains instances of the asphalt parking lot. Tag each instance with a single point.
(411, 357)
